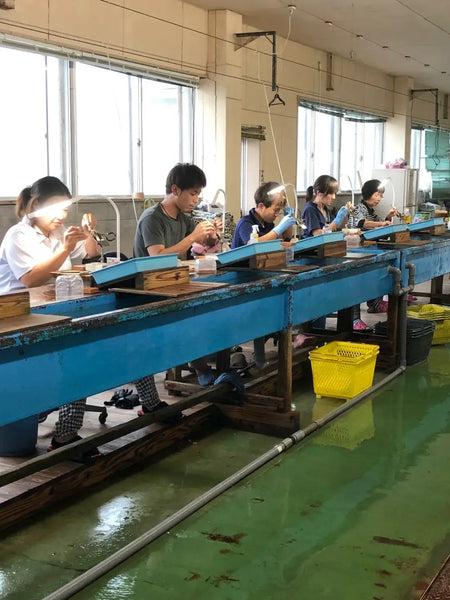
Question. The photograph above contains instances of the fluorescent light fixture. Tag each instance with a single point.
(51, 210)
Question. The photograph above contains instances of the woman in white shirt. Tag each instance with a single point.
(31, 250)
(39, 244)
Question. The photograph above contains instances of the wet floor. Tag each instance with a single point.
(357, 511)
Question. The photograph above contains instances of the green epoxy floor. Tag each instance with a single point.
(358, 511)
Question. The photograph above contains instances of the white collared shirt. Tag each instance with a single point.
(24, 247)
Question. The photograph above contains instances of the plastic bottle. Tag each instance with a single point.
(353, 240)
(254, 235)
(407, 216)
(68, 287)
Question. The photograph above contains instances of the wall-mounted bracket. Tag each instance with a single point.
(435, 93)
(267, 34)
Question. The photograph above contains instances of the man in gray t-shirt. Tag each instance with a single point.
(166, 228)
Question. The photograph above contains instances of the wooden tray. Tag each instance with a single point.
(173, 291)
(30, 321)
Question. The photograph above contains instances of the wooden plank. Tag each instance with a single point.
(174, 291)
(268, 259)
(31, 321)
(14, 305)
(333, 249)
(294, 268)
(259, 420)
(201, 421)
(162, 278)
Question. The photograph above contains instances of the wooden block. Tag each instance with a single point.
(268, 259)
(338, 249)
(400, 237)
(163, 278)
(435, 230)
(14, 305)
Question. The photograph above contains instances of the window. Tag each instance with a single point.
(334, 142)
(102, 131)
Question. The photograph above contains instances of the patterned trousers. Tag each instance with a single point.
(70, 418)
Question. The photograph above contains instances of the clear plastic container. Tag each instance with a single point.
(68, 287)
(353, 240)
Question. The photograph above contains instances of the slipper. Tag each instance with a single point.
(303, 341)
(172, 420)
(232, 379)
(207, 378)
(128, 402)
(117, 394)
(85, 456)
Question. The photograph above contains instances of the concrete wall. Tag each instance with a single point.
(177, 36)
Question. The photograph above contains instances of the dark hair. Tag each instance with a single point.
(325, 184)
(370, 187)
(34, 196)
(185, 176)
(262, 193)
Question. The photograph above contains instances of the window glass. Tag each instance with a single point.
(332, 145)
(103, 131)
(23, 143)
(165, 140)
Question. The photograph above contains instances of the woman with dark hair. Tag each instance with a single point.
(316, 214)
(35, 247)
(317, 218)
(269, 203)
(40, 244)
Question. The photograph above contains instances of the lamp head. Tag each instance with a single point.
(50, 210)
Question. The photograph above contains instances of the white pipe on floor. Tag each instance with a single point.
(102, 568)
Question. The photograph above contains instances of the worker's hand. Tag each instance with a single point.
(341, 216)
(72, 236)
(203, 230)
(286, 222)
(287, 210)
(392, 213)
(218, 223)
(88, 222)
(383, 223)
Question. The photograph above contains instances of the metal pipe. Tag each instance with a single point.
(139, 543)
(397, 273)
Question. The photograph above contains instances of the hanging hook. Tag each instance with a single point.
(276, 100)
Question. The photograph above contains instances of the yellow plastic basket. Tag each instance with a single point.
(430, 312)
(441, 334)
(343, 369)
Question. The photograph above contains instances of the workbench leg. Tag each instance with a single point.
(173, 374)
(284, 383)
(437, 295)
(393, 329)
(345, 320)
(223, 360)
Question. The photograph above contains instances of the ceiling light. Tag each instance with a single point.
(443, 72)
(358, 35)
(330, 23)
(407, 56)
(426, 65)
(385, 47)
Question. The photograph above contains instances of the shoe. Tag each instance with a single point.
(207, 378)
(118, 394)
(303, 341)
(85, 457)
(412, 299)
(359, 325)
(172, 420)
(382, 307)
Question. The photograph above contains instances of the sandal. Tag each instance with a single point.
(85, 456)
(128, 402)
(172, 420)
(123, 393)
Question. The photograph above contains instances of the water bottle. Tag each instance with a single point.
(254, 235)
(76, 286)
(68, 287)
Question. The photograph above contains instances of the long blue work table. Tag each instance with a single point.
(115, 338)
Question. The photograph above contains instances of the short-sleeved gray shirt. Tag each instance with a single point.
(157, 228)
